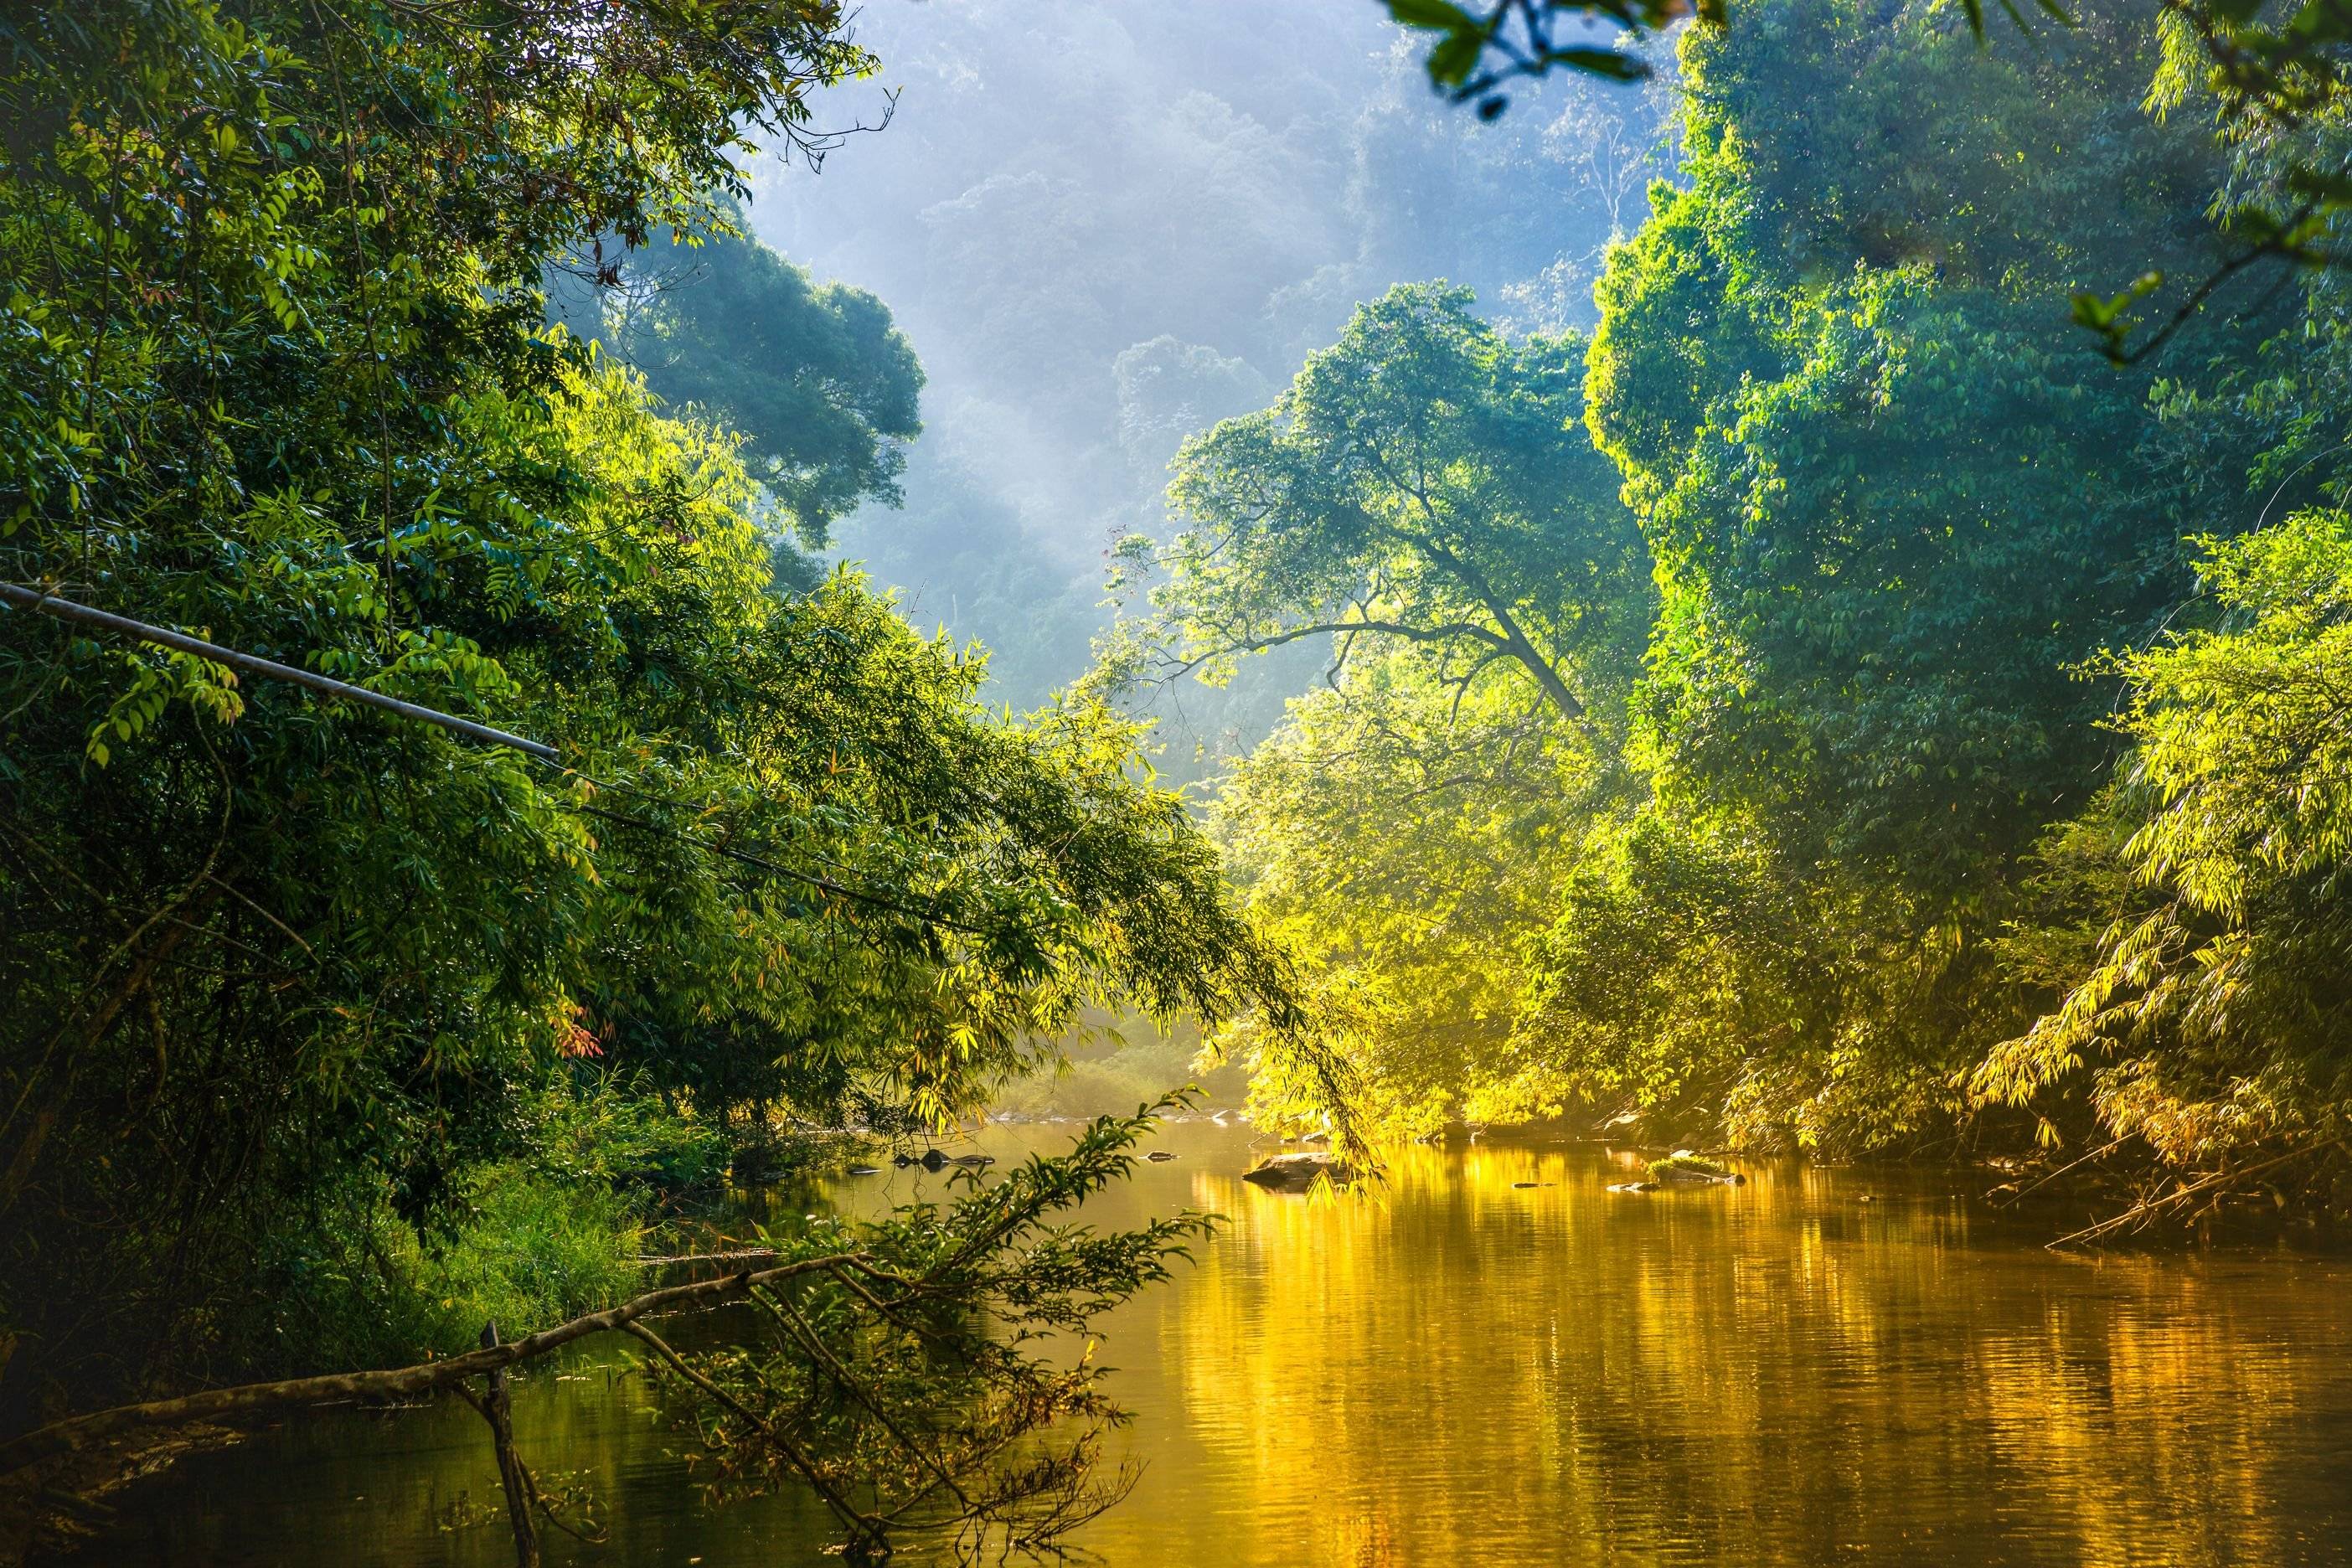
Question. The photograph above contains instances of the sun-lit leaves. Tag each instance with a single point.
(1423, 481)
(1401, 834)
(2216, 1012)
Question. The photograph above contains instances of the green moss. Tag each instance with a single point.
(1686, 1166)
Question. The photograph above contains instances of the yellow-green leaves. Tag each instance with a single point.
(159, 676)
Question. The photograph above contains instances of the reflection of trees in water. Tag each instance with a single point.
(1774, 1376)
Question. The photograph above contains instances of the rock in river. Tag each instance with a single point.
(1291, 1172)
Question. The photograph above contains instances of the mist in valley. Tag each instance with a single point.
(1104, 227)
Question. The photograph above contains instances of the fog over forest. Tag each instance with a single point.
(1094, 263)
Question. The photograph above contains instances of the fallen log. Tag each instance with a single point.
(252, 1399)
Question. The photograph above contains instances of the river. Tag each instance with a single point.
(1822, 1366)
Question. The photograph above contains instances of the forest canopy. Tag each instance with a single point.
(1908, 796)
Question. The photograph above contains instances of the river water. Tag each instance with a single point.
(1822, 1366)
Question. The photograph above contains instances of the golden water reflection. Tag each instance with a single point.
(1778, 1372)
(1468, 1371)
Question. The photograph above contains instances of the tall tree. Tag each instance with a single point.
(1421, 480)
(1894, 495)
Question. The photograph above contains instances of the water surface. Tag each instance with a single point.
(1469, 1371)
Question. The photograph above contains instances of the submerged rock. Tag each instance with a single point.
(865, 1170)
(973, 1160)
(1633, 1186)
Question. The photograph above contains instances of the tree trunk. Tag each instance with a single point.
(498, 1410)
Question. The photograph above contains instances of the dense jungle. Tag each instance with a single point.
(943, 777)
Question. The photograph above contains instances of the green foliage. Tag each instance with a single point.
(302, 996)
(1693, 974)
(1890, 507)
(2214, 1010)
(1674, 1165)
(1892, 512)
(2275, 88)
(1399, 834)
(1881, 797)
(1826, 135)
(1935, 519)
(1423, 481)
(366, 1289)
(1425, 497)
(904, 1382)
(823, 387)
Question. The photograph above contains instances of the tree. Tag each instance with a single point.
(824, 388)
(1401, 838)
(307, 1001)
(1891, 505)
(1422, 480)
